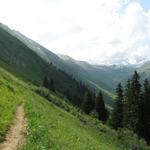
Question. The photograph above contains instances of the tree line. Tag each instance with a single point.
(132, 107)
(84, 98)
(49, 83)
(95, 103)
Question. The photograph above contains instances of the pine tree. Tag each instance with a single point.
(100, 108)
(126, 103)
(76, 99)
(145, 128)
(46, 82)
(87, 104)
(132, 104)
(51, 85)
(136, 112)
(117, 116)
(67, 94)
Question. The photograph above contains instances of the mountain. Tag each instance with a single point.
(78, 70)
(96, 77)
(99, 77)
(49, 119)
(144, 70)
(23, 62)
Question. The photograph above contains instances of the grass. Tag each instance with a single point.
(54, 124)
(53, 128)
(10, 98)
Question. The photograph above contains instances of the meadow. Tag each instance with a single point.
(53, 123)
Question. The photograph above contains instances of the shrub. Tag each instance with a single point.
(131, 141)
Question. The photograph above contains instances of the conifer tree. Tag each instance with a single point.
(77, 99)
(46, 82)
(132, 104)
(126, 103)
(117, 117)
(146, 112)
(135, 107)
(87, 104)
(51, 85)
(100, 108)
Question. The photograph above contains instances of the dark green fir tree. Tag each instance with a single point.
(88, 103)
(117, 115)
(46, 82)
(145, 130)
(100, 108)
(132, 119)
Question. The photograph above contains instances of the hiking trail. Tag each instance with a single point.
(16, 135)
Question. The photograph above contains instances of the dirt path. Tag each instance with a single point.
(17, 133)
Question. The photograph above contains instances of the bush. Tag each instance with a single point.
(131, 141)
(50, 96)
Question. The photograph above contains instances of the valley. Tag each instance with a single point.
(54, 114)
(52, 126)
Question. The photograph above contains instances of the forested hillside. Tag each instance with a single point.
(132, 105)
(20, 60)
(79, 97)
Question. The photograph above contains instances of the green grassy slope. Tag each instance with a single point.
(10, 98)
(53, 127)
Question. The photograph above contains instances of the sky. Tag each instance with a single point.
(97, 31)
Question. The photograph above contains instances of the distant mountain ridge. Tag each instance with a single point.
(97, 77)
(19, 59)
(72, 67)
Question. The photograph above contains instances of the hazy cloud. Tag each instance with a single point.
(99, 31)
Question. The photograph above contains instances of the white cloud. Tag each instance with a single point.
(95, 30)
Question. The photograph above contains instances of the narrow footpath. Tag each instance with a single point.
(16, 135)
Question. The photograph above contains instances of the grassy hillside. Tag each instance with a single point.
(53, 128)
(10, 98)
(60, 127)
